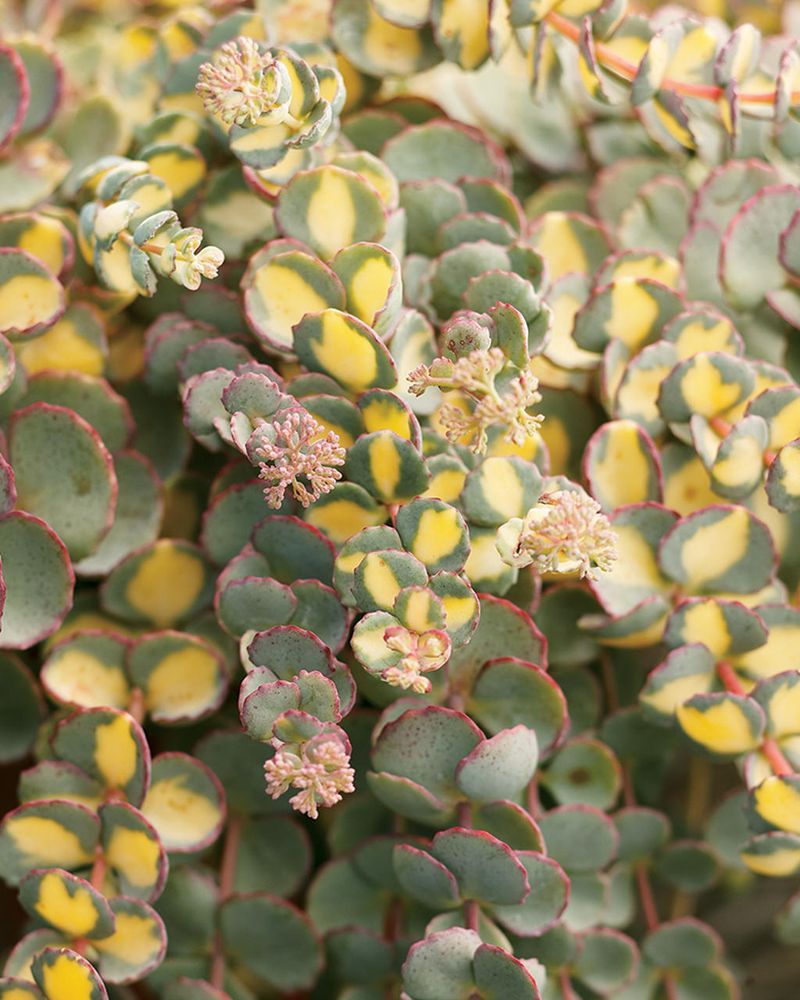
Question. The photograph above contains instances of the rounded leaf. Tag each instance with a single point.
(161, 585)
(31, 298)
(75, 490)
(185, 803)
(183, 678)
(63, 973)
(271, 938)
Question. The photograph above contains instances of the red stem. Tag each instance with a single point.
(646, 898)
(729, 678)
(227, 872)
(627, 70)
(769, 747)
(136, 705)
(471, 909)
(97, 878)
(564, 982)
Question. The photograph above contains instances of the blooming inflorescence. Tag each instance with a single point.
(504, 405)
(244, 85)
(297, 453)
(566, 532)
(320, 769)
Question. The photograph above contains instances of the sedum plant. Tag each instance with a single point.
(399, 498)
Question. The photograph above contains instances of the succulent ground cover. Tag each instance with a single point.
(400, 497)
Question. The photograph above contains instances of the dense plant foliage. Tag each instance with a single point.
(400, 527)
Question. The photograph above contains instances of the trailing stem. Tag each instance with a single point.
(615, 63)
(769, 747)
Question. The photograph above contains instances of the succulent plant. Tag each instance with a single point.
(404, 574)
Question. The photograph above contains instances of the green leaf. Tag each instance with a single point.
(749, 265)
(584, 771)
(286, 649)
(485, 868)
(544, 904)
(642, 832)
(580, 838)
(294, 550)
(509, 692)
(444, 150)
(75, 490)
(21, 708)
(500, 767)
(89, 397)
(137, 516)
(188, 907)
(498, 974)
(253, 602)
(14, 82)
(684, 943)
(440, 966)
(271, 938)
(274, 856)
(688, 865)
(426, 746)
(607, 961)
(425, 878)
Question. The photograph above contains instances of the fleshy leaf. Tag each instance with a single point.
(133, 849)
(87, 670)
(161, 585)
(31, 298)
(185, 803)
(271, 938)
(45, 834)
(137, 945)
(182, 678)
(109, 746)
(75, 491)
(63, 974)
(345, 348)
(67, 903)
(719, 548)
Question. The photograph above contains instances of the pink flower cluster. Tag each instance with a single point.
(320, 769)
